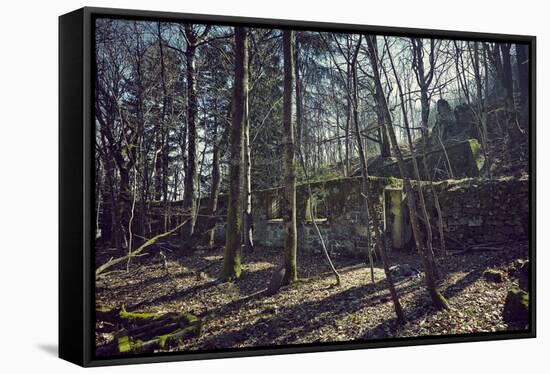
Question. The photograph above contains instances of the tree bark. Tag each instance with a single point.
(191, 173)
(232, 255)
(289, 216)
(522, 58)
(248, 240)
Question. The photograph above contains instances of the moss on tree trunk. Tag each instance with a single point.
(232, 254)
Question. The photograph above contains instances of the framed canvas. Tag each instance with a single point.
(237, 186)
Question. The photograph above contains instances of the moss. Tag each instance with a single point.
(127, 344)
(166, 340)
(439, 301)
(477, 153)
(137, 316)
(493, 275)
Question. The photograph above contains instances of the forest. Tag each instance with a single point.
(259, 187)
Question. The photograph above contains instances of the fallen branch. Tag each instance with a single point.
(149, 242)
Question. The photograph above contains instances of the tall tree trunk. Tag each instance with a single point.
(159, 171)
(109, 170)
(248, 239)
(522, 58)
(355, 102)
(219, 145)
(369, 207)
(348, 143)
(232, 255)
(298, 93)
(215, 189)
(514, 132)
(424, 80)
(438, 300)
(191, 173)
(385, 147)
(481, 105)
(289, 215)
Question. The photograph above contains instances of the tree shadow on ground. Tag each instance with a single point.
(287, 323)
(135, 286)
(172, 296)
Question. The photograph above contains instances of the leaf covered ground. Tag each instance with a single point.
(238, 314)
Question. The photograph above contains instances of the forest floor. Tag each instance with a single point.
(238, 314)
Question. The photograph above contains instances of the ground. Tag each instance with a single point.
(238, 314)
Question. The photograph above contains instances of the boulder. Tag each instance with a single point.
(520, 270)
(516, 308)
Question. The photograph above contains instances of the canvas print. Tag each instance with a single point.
(269, 187)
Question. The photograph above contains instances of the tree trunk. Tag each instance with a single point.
(191, 173)
(232, 255)
(248, 240)
(219, 144)
(424, 81)
(159, 171)
(522, 57)
(289, 201)
(370, 212)
(438, 300)
(298, 93)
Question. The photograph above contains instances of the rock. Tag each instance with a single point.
(404, 270)
(520, 270)
(516, 307)
(492, 275)
(524, 276)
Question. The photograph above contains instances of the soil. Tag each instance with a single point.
(313, 310)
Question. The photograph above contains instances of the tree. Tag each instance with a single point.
(193, 40)
(424, 79)
(232, 254)
(247, 175)
(438, 300)
(289, 209)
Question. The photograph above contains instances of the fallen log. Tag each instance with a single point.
(139, 332)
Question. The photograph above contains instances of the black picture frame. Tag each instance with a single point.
(76, 175)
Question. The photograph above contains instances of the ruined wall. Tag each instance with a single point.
(483, 211)
(338, 209)
(474, 211)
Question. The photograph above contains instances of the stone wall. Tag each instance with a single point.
(474, 211)
(482, 211)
